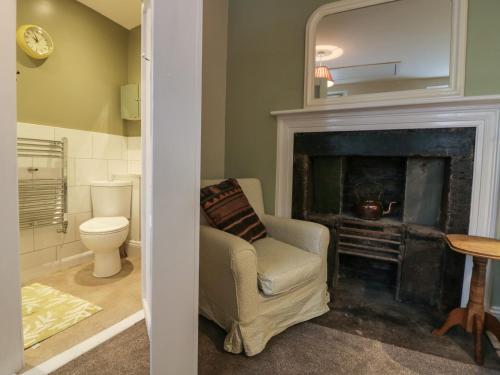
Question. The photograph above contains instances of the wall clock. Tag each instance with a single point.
(35, 41)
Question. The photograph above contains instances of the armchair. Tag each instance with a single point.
(255, 291)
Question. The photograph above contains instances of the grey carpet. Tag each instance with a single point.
(303, 349)
(313, 349)
(367, 308)
(125, 354)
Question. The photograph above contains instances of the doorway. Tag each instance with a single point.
(173, 242)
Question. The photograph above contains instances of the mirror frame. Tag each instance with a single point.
(457, 61)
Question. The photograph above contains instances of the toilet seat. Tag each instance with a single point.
(104, 225)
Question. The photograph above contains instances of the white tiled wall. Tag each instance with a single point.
(134, 154)
(91, 156)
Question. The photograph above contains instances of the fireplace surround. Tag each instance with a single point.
(481, 115)
(428, 174)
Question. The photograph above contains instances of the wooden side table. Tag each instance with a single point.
(473, 318)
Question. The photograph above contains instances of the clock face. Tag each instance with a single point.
(35, 41)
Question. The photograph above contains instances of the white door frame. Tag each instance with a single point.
(174, 221)
(176, 68)
(11, 340)
(146, 178)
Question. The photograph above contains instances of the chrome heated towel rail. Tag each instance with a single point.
(44, 201)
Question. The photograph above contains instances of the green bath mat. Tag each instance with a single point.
(47, 311)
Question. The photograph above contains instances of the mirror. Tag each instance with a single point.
(381, 49)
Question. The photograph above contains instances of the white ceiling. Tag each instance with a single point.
(415, 32)
(124, 12)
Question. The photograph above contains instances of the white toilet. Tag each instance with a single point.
(109, 227)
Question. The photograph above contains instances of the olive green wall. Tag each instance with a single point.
(266, 68)
(215, 15)
(265, 73)
(483, 48)
(78, 86)
(483, 75)
(133, 128)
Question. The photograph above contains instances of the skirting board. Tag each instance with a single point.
(147, 315)
(48, 268)
(495, 310)
(494, 342)
(134, 249)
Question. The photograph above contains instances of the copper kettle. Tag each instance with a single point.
(372, 209)
(369, 204)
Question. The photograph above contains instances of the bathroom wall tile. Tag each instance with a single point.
(38, 258)
(134, 148)
(124, 148)
(88, 170)
(81, 218)
(71, 249)
(69, 236)
(71, 172)
(23, 163)
(26, 244)
(91, 156)
(134, 167)
(117, 167)
(135, 220)
(79, 142)
(48, 237)
(35, 131)
(107, 146)
(48, 168)
(79, 199)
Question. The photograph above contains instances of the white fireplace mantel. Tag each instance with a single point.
(482, 113)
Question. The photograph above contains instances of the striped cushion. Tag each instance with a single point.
(227, 208)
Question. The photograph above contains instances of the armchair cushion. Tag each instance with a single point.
(227, 208)
(282, 267)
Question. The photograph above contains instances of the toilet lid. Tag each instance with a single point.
(104, 225)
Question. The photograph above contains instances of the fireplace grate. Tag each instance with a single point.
(371, 240)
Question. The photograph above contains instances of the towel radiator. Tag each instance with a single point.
(44, 201)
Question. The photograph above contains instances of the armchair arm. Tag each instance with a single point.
(305, 235)
(228, 275)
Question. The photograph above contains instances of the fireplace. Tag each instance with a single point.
(428, 172)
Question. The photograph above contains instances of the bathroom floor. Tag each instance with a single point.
(119, 296)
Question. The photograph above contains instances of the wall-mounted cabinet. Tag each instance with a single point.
(131, 102)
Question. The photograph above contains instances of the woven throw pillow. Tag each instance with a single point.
(227, 208)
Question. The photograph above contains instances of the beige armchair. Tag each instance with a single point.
(255, 291)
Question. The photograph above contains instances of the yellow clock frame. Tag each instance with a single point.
(21, 41)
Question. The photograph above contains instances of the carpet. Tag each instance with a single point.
(303, 349)
(366, 308)
(48, 311)
(309, 348)
(125, 354)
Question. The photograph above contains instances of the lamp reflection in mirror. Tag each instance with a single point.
(326, 53)
(324, 72)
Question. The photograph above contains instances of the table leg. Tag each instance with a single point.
(472, 318)
(478, 339)
(475, 318)
(457, 317)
